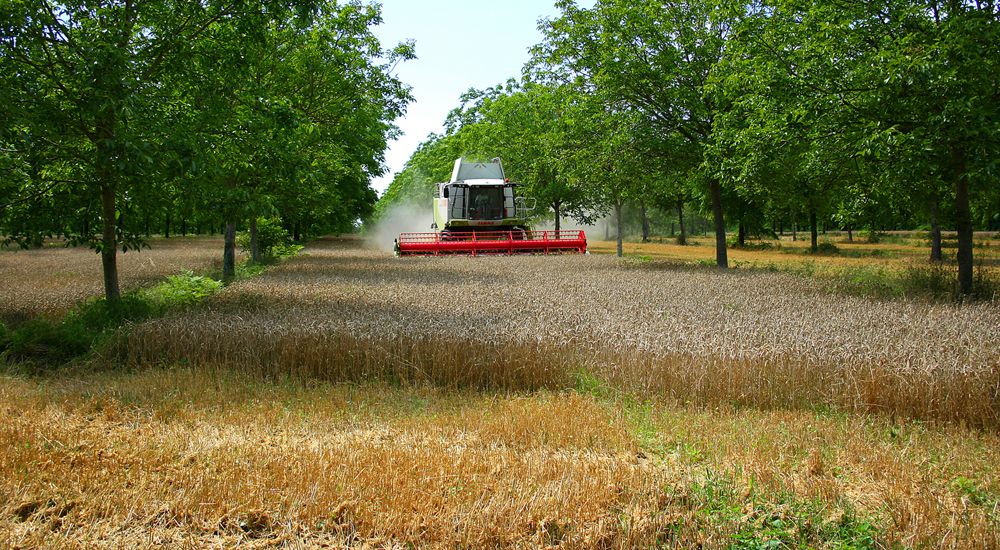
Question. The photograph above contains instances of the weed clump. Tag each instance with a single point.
(826, 247)
(182, 290)
(273, 240)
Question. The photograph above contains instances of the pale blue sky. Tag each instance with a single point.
(460, 45)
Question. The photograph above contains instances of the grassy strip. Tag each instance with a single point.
(934, 281)
(931, 281)
(41, 343)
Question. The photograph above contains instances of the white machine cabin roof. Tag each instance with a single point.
(465, 171)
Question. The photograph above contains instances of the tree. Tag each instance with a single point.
(431, 163)
(652, 57)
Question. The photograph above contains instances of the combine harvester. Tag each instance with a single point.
(479, 213)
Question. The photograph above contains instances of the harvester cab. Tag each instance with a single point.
(479, 212)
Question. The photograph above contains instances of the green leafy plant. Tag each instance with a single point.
(273, 240)
(182, 290)
(286, 250)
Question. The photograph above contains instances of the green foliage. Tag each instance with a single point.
(587, 383)
(181, 290)
(538, 130)
(42, 342)
(752, 245)
(785, 523)
(273, 239)
(976, 493)
(874, 237)
(246, 270)
(286, 250)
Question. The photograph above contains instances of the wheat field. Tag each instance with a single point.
(523, 323)
(346, 398)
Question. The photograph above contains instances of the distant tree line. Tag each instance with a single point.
(764, 115)
(124, 118)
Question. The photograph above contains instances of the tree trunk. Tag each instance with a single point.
(184, 227)
(682, 238)
(850, 234)
(781, 228)
(109, 243)
(741, 235)
(795, 229)
(618, 227)
(963, 224)
(645, 222)
(721, 257)
(295, 232)
(229, 254)
(936, 255)
(254, 245)
(166, 226)
(558, 212)
(813, 230)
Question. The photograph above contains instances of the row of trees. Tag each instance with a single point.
(759, 113)
(121, 115)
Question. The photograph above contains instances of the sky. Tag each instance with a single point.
(459, 45)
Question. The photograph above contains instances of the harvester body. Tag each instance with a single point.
(479, 212)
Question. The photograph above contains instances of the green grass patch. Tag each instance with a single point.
(638, 258)
(761, 521)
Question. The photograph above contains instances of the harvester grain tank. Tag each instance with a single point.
(479, 212)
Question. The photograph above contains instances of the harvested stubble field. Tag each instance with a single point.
(350, 398)
(52, 280)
